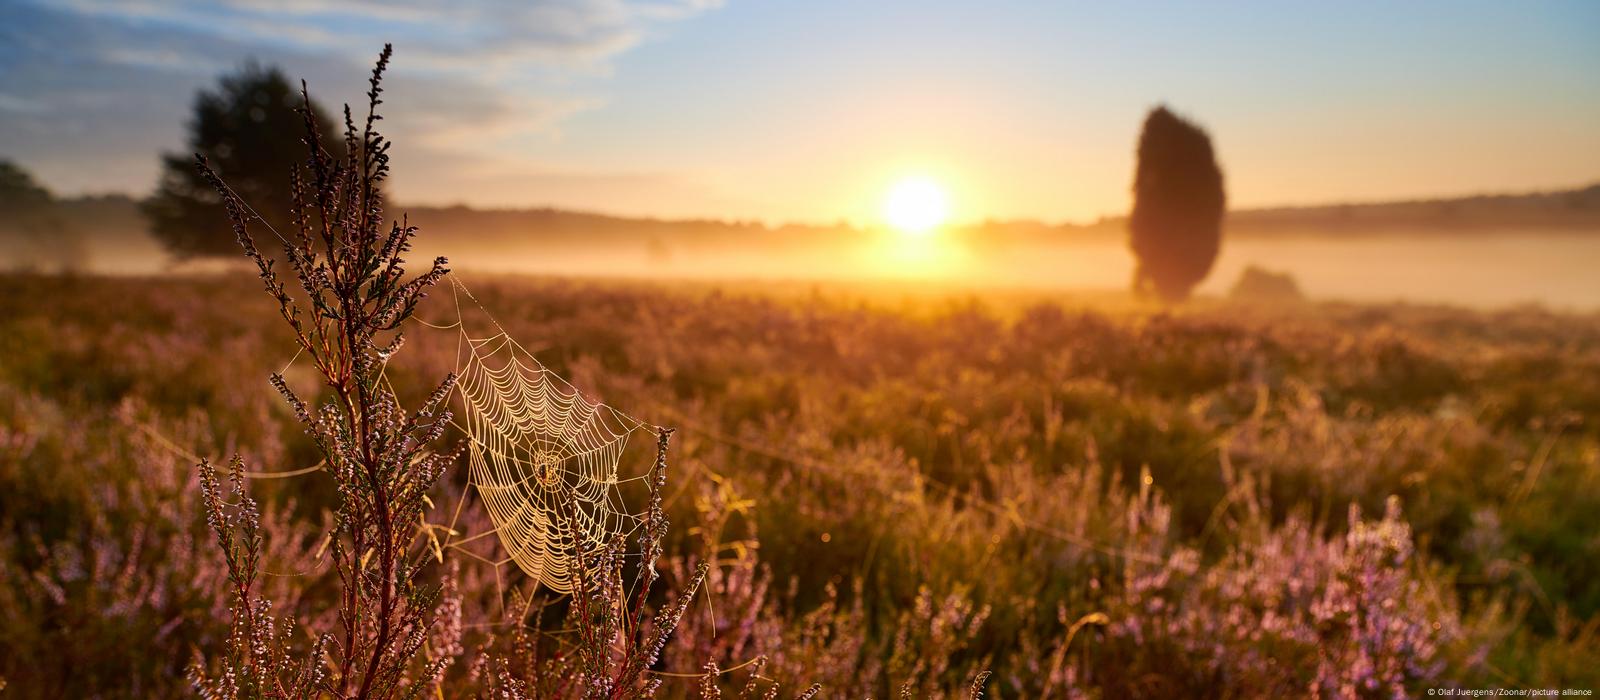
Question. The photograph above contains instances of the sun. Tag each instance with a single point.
(916, 205)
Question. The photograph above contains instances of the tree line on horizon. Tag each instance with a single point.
(249, 128)
(31, 225)
(250, 131)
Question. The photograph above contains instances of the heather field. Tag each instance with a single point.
(895, 490)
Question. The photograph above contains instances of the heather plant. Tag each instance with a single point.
(380, 457)
(387, 640)
(108, 554)
(618, 641)
(1287, 612)
(725, 544)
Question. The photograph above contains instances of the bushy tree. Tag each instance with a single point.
(20, 195)
(251, 131)
(1178, 201)
(32, 230)
(1261, 285)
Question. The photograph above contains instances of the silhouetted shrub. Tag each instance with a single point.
(19, 194)
(251, 132)
(1258, 284)
(1178, 202)
(32, 231)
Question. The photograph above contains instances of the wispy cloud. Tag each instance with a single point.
(481, 35)
(100, 79)
(21, 105)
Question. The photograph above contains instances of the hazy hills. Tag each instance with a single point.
(113, 231)
(1577, 209)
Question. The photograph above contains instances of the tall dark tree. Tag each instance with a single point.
(251, 130)
(1178, 201)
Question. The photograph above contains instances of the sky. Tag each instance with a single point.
(789, 110)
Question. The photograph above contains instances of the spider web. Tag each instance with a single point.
(534, 439)
(544, 457)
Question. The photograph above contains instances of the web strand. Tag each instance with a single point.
(534, 439)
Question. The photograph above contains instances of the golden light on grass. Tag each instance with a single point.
(916, 206)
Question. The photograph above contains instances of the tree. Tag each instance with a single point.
(1265, 286)
(20, 195)
(251, 130)
(32, 229)
(1178, 201)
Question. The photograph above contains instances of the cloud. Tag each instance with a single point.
(502, 119)
(481, 35)
(21, 105)
(89, 82)
(162, 59)
(503, 183)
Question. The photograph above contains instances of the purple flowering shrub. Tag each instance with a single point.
(1286, 611)
(1045, 555)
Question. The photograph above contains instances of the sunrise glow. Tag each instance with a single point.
(916, 206)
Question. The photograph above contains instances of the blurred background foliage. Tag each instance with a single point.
(896, 487)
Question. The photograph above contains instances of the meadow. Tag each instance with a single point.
(897, 491)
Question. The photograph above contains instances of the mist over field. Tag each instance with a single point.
(1504, 254)
(1489, 270)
